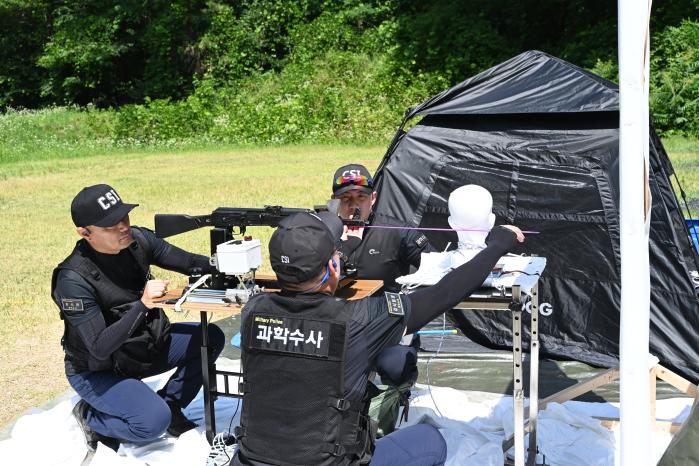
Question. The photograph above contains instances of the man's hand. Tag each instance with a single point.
(517, 231)
(154, 289)
(352, 231)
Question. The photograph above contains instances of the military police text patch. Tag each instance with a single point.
(394, 303)
(421, 240)
(74, 305)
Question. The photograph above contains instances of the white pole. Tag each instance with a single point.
(634, 218)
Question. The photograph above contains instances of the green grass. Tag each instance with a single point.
(35, 197)
(54, 133)
(684, 154)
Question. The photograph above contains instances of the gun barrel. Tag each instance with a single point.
(246, 217)
(229, 217)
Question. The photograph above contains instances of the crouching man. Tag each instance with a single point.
(114, 336)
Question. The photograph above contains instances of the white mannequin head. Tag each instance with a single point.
(471, 207)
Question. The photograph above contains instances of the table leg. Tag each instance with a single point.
(517, 391)
(208, 379)
(533, 375)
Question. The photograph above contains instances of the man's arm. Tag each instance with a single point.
(171, 257)
(79, 308)
(428, 303)
(413, 244)
(382, 319)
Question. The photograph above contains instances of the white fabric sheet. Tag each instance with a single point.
(474, 424)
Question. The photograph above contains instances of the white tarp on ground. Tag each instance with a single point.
(52, 437)
(474, 425)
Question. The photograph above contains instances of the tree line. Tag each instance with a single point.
(177, 66)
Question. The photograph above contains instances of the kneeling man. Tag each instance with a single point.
(114, 336)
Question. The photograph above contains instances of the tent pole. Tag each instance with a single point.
(634, 219)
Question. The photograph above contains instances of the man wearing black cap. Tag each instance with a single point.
(114, 336)
(378, 254)
(307, 355)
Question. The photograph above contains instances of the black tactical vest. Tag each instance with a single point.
(146, 346)
(294, 411)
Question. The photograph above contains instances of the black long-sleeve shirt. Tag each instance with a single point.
(122, 269)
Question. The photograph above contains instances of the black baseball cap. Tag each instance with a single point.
(352, 176)
(98, 205)
(302, 245)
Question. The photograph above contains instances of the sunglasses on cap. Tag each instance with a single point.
(358, 180)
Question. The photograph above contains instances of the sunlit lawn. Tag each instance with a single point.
(684, 154)
(38, 233)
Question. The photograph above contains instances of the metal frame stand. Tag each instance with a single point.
(517, 390)
(534, 374)
(515, 304)
(209, 383)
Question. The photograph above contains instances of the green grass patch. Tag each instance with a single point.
(54, 133)
(684, 154)
(60, 133)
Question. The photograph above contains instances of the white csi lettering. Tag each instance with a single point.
(351, 173)
(109, 199)
(545, 309)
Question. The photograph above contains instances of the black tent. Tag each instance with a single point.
(542, 136)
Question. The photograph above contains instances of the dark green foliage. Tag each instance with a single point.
(272, 71)
(675, 97)
(608, 69)
(358, 27)
(114, 52)
(255, 36)
(340, 96)
(458, 39)
(451, 39)
(160, 120)
(250, 36)
(23, 32)
(169, 40)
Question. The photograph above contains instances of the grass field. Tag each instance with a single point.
(684, 154)
(34, 205)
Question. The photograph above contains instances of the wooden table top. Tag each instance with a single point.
(356, 290)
